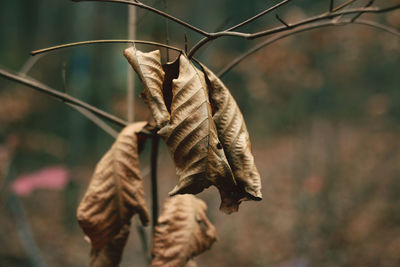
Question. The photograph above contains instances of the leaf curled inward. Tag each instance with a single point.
(148, 67)
(192, 138)
(110, 255)
(183, 231)
(115, 192)
(232, 132)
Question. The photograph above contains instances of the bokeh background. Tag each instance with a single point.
(322, 109)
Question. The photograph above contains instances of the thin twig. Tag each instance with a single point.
(331, 4)
(281, 20)
(25, 232)
(130, 83)
(343, 5)
(29, 64)
(153, 173)
(118, 41)
(143, 240)
(370, 3)
(87, 114)
(268, 10)
(210, 38)
(100, 123)
(154, 10)
(166, 29)
(61, 96)
(315, 19)
(245, 55)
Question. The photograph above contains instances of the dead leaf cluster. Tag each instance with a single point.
(205, 131)
(202, 125)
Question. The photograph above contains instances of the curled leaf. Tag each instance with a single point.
(110, 255)
(148, 67)
(183, 231)
(233, 134)
(115, 192)
(191, 263)
(192, 138)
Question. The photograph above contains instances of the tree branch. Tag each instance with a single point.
(96, 120)
(268, 10)
(278, 29)
(370, 3)
(239, 59)
(45, 50)
(319, 18)
(61, 96)
(154, 10)
(209, 38)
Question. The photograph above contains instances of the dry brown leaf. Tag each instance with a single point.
(233, 134)
(149, 69)
(191, 263)
(192, 138)
(110, 255)
(183, 231)
(115, 192)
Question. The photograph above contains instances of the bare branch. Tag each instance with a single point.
(268, 10)
(319, 18)
(239, 59)
(343, 5)
(29, 64)
(323, 17)
(370, 3)
(282, 21)
(96, 120)
(130, 82)
(45, 50)
(209, 38)
(331, 4)
(153, 172)
(154, 10)
(61, 96)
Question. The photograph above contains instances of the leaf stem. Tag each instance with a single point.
(153, 173)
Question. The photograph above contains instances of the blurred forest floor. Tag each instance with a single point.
(322, 108)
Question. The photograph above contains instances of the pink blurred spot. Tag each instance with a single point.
(55, 177)
(313, 184)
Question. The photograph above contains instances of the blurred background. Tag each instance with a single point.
(322, 109)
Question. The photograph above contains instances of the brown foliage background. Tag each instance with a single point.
(322, 109)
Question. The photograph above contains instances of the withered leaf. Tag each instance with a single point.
(148, 67)
(183, 231)
(110, 255)
(233, 134)
(192, 138)
(191, 263)
(115, 192)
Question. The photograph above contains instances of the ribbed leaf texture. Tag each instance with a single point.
(181, 108)
(183, 231)
(149, 69)
(233, 134)
(115, 192)
(110, 255)
(192, 138)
